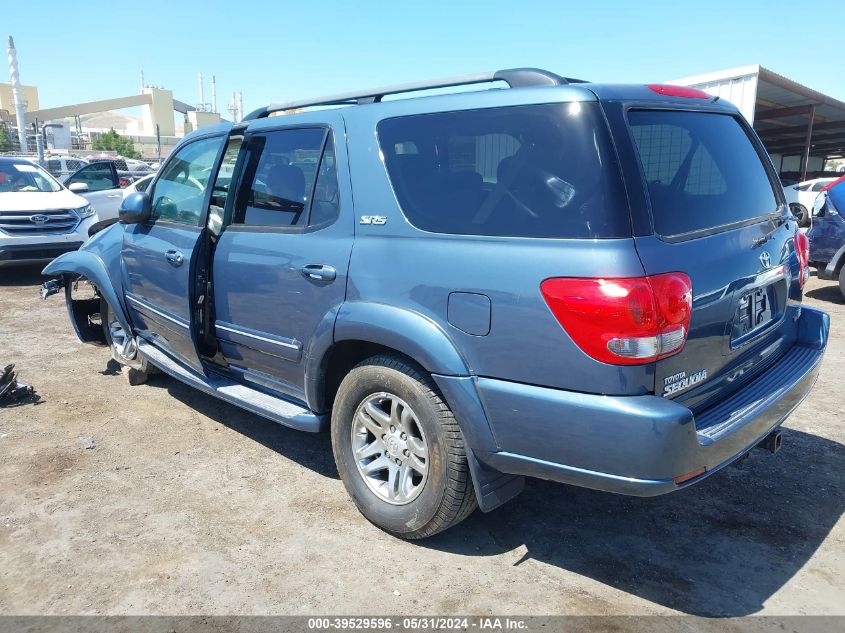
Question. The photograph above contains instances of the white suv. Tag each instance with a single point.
(39, 218)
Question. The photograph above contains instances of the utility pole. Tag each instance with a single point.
(233, 108)
(17, 95)
(39, 142)
(213, 94)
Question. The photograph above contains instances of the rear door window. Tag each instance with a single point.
(290, 180)
(701, 169)
(524, 171)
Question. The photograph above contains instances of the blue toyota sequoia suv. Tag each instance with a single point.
(594, 284)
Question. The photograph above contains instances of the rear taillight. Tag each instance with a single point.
(802, 250)
(627, 321)
(678, 91)
(123, 182)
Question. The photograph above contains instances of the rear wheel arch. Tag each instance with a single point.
(339, 360)
(364, 329)
(839, 261)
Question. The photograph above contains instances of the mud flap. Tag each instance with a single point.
(492, 488)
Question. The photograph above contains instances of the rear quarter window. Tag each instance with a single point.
(544, 171)
(701, 169)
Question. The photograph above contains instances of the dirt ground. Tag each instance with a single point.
(158, 499)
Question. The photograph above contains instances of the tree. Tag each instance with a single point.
(114, 142)
(5, 141)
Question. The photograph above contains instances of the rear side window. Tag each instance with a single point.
(523, 171)
(701, 169)
(290, 173)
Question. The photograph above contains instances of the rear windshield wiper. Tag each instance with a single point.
(777, 218)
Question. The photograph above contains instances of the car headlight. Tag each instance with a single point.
(84, 212)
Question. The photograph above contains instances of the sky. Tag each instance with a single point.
(279, 50)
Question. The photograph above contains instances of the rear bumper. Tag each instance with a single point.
(638, 445)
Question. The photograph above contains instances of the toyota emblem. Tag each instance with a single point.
(766, 260)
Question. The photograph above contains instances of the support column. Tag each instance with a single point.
(805, 156)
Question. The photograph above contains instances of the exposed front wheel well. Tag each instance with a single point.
(83, 301)
(339, 361)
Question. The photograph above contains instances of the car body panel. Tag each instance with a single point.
(639, 445)
(159, 260)
(827, 234)
(99, 261)
(386, 260)
(266, 329)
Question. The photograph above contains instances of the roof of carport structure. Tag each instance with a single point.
(780, 109)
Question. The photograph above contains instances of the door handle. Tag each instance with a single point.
(319, 272)
(114, 195)
(174, 257)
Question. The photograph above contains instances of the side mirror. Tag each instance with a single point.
(135, 208)
(78, 187)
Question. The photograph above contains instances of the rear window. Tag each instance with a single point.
(701, 169)
(524, 171)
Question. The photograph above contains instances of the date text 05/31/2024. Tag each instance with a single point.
(418, 623)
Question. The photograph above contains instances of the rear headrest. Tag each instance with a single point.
(506, 166)
(288, 181)
(414, 164)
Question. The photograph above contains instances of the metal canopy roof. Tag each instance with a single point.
(783, 113)
(792, 119)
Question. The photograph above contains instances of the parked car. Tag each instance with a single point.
(801, 197)
(127, 169)
(594, 284)
(102, 185)
(138, 168)
(139, 185)
(60, 167)
(39, 218)
(827, 236)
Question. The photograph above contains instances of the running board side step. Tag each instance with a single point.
(265, 405)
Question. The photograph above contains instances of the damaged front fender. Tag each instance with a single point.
(98, 261)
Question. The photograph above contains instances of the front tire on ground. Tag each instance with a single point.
(399, 450)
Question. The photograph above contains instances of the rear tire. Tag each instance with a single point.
(399, 450)
(842, 281)
(801, 214)
(123, 350)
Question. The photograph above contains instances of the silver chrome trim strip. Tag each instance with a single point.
(293, 345)
(163, 315)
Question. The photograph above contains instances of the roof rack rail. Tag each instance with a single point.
(514, 77)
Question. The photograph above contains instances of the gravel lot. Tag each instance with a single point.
(185, 504)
